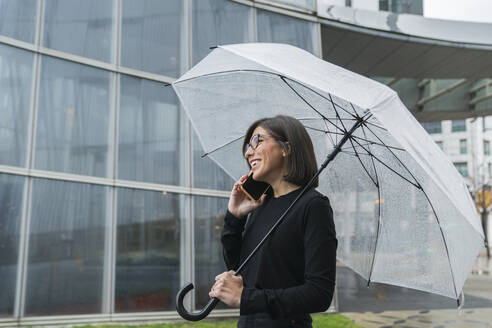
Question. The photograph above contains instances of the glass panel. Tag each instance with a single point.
(147, 259)
(432, 127)
(207, 174)
(209, 220)
(458, 125)
(284, 29)
(462, 167)
(11, 194)
(463, 149)
(15, 94)
(218, 22)
(486, 147)
(153, 37)
(80, 27)
(487, 123)
(73, 131)
(66, 248)
(18, 19)
(149, 133)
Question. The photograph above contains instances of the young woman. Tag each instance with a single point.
(293, 274)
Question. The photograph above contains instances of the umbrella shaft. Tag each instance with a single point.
(328, 159)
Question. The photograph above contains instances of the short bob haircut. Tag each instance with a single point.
(301, 161)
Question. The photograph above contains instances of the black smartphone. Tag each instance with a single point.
(254, 189)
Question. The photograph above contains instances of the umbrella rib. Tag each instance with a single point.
(445, 245)
(333, 143)
(283, 77)
(307, 103)
(353, 153)
(394, 155)
(360, 161)
(220, 147)
(435, 214)
(389, 168)
(379, 214)
(360, 138)
(338, 116)
(355, 117)
(351, 142)
(377, 126)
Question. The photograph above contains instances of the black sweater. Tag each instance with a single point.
(293, 273)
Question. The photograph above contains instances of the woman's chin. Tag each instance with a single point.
(257, 176)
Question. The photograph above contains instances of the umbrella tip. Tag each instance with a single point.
(213, 47)
(204, 155)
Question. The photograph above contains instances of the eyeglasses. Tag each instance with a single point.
(255, 141)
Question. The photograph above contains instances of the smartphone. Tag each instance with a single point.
(254, 189)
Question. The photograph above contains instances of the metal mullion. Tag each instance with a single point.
(253, 29)
(94, 319)
(117, 32)
(19, 306)
(113, 223)
(20, 258)
(85, 61)
(40, 25)
(107, 259)
(19, 310)
(113, 183)
(34, 93)
(113, 249)
(187, 264)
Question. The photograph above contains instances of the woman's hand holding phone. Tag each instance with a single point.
(239, 203)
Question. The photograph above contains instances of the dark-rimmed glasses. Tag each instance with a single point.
(255, 141)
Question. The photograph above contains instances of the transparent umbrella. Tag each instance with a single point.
(403, 213)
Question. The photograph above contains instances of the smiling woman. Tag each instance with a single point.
(294, 273)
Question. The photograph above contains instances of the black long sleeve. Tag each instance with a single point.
(294, 272)
(231, 240)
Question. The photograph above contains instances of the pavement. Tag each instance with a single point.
(381, 305)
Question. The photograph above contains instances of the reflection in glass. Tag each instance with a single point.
(73, 122)
(149, 132)
(152, 37)
(147, 259)
(217, 22)
(11, 194)
(15, 92)
(209, 220)
(83, 28)
(206, 173)
(18, 19)
(284, 29)
(66, 248)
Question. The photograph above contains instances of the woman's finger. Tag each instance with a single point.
(220, 275)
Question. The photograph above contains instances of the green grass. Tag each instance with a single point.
(319, 321)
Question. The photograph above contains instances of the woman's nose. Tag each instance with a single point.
(249, 152)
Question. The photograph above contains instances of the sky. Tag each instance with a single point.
(468, 10)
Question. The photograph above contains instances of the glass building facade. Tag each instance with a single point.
(106, 206)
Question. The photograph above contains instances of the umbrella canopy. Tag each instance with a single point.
(403, 213)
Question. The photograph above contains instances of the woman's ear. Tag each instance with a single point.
(287, 149)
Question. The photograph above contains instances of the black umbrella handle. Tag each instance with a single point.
(193, 316)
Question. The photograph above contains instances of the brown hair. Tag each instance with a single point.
(301, 161)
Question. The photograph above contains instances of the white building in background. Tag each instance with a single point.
(468, 145)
